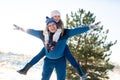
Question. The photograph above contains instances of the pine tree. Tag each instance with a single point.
(91, 49)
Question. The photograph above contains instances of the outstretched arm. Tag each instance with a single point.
(36, 33)
(80, 30)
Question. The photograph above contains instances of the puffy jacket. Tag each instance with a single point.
(58, 51)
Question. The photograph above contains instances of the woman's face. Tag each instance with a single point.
(52, 27)
(57, 18)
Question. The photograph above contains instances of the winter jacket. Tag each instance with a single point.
(58, 51)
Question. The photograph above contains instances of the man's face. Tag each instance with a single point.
(52, 27)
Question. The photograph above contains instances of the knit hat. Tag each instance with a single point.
(49, 20)
(55, 12)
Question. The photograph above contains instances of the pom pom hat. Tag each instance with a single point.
(55, 13)
(49, 20)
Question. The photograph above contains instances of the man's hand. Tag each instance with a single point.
(17, 27)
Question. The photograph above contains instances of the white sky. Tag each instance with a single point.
(32, 13)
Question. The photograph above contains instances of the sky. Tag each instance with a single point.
(32, 13)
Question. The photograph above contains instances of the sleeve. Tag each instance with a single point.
(76, 31)
(36, 33)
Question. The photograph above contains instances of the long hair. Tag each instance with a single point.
(60, 25)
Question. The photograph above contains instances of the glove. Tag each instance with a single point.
(17, 27)
(95, 26)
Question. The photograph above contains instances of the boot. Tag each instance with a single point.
(25, 69)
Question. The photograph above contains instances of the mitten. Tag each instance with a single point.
(17, 27)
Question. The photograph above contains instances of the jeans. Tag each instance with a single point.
(36, 58)
(67, 55)
(73, 61)
(58, 64)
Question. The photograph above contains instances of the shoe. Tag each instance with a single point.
(25, 69)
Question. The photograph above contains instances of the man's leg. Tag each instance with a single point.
(61, 68)
(47, 69)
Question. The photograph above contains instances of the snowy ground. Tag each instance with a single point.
(10, 63)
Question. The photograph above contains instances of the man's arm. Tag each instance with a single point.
(36, 33)
(80, 30)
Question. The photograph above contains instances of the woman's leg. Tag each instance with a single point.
(34, 60)
(40, 55)
(73, 61)
(61, 68)
(47, 68)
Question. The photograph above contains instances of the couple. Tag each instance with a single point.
(56, 50)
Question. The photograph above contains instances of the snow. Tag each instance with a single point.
(10, 63)
(114, 76)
